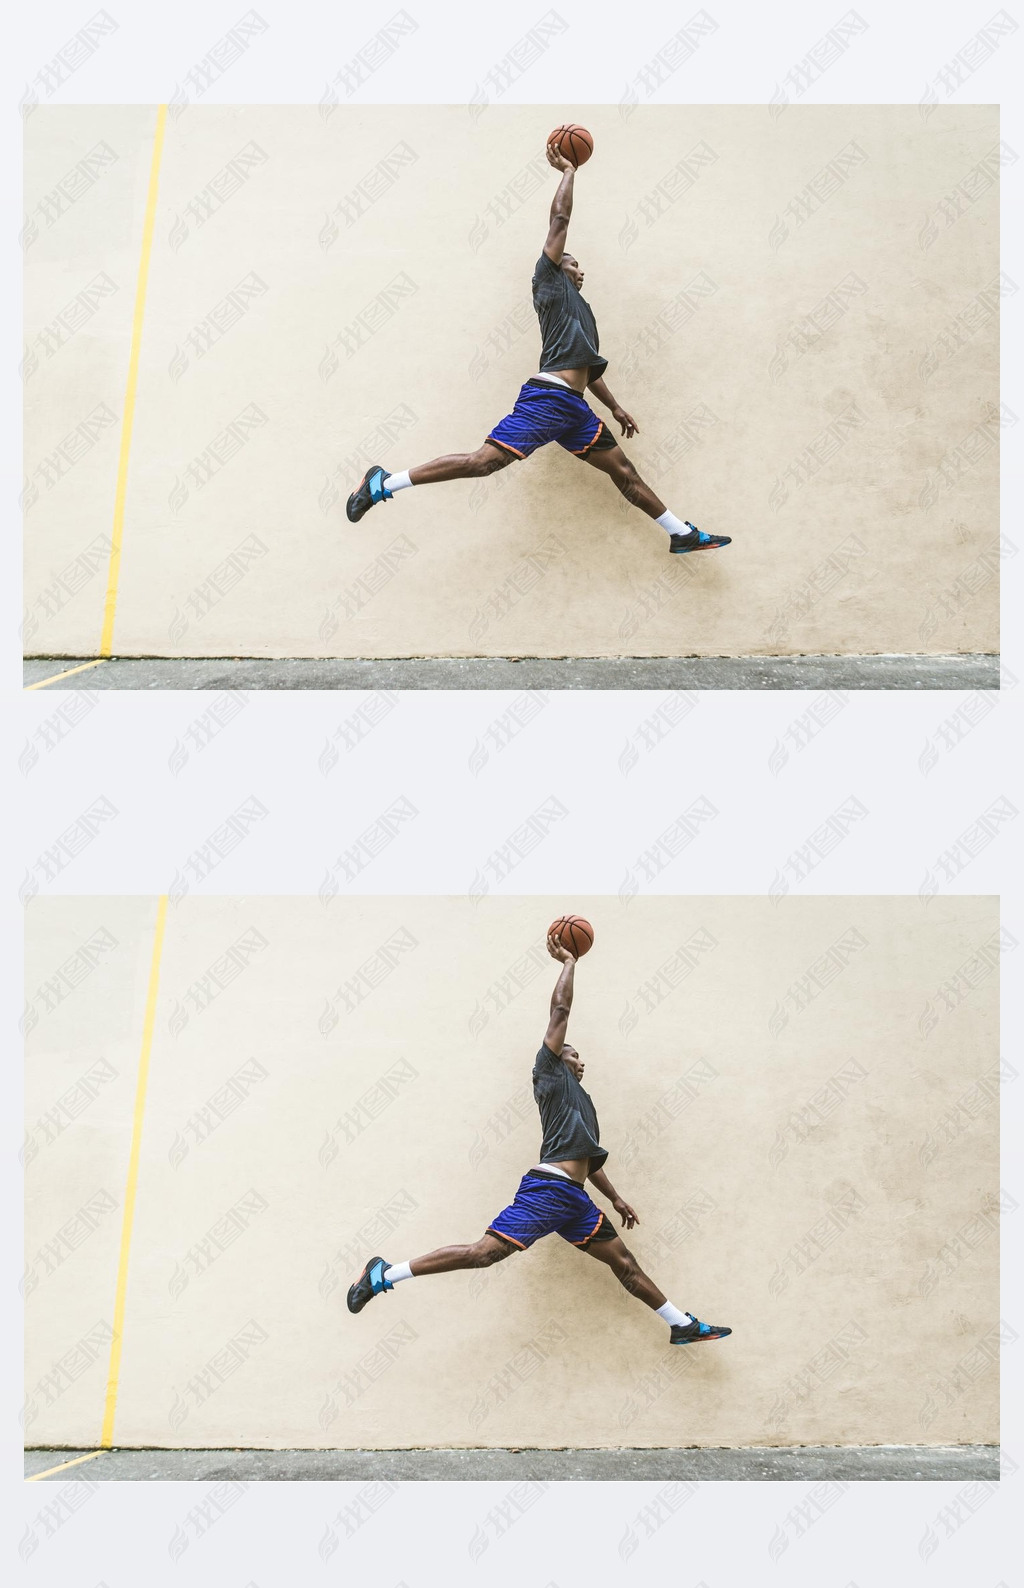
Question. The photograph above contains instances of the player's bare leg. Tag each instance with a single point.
(683, 536)
(479, 1254)
(627, 1271)
(631, 1277)
(487, 459)
(623, 475)
(379, 1276)
(378, 485)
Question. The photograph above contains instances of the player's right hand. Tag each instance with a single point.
(558, 950)
(559, 161)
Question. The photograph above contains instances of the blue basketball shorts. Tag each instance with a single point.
(546, 413)
(547, 1204)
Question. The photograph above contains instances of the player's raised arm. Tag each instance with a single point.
(561, 998)
(561, 205)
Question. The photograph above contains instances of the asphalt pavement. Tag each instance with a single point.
(602, 672)
(870, 1463)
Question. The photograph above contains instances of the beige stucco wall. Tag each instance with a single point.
(800, 1100)
(799, 310)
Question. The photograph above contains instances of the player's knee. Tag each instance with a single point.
(485, 462)
(483, 1253)
(629, 1272)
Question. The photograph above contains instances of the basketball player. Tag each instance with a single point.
(551, 405)
(552, 1196)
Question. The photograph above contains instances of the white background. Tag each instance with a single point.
(725, 750)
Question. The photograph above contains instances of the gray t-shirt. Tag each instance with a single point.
(568, 1117)
(567, 326)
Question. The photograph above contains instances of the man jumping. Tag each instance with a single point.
(552, 1196)
(551, 405)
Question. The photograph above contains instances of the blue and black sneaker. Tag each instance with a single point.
(693, 1332)
(696, 540)
(371, 1282)
(370, 491)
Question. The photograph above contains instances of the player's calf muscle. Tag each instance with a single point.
(636, 491)
(458, 466)
(478, 1254)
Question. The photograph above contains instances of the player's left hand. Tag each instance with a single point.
(628, 423)
(627, 1214)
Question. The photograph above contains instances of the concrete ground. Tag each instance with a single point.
(687, 672)
(942, 1463)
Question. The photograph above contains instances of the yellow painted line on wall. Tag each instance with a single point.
(42, 683)
(149, 224)
(35, 1476)
(114, 1371)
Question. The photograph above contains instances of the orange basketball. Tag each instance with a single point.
(574, 933)
(574, 142)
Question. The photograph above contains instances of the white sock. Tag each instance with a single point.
(673, 525)
(672, 1314)
(398, 1271)
(397, 482)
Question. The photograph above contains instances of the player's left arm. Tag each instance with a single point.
(602, 1183)
(619, 414)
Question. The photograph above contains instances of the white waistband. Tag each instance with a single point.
(552, 1168)
(556, 380)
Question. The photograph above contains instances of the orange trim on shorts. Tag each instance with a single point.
(503, 1237)
(587, 1238)
(582, 454)
(506, 448)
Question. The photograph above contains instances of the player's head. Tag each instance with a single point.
(571, 266)
(571, 1053)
